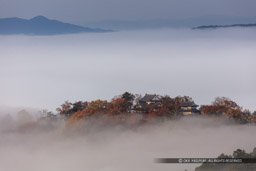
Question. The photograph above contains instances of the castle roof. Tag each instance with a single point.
(150, 97)
(189, 104)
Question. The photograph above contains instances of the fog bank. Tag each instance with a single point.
(47, 146)
(43, 72)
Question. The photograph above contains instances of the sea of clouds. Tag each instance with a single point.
(44, 71)
(27, 145)
(39, 72)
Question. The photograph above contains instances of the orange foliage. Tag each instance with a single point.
(252, 119)
(237, 115)
(118, 106)
(213, 110)
(98, 106)
(219, 107)
(117, 112)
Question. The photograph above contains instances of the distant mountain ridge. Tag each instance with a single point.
(224, 26)
(156, 23)
(41, 25)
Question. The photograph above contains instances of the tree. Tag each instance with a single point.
(118, 106)
(183, 99)
(98, 106)
(68, 109)
(122, 103)
(65, 108)
(129, 98)
(240, 154)
(224, 156)
(168, 106)
(212, 110)
(252, 119)
(237, 115)
(230, 109)
(234, 167)
(225, 102)
(220, 106)
(223, 106)
(78, 106)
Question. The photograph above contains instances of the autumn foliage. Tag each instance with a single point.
(125, 109)
(223, 106)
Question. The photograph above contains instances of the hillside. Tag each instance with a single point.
(225, 26)
(42, 26)
(238, 154)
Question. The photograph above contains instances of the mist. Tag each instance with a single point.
(42, 72)
(44, 145)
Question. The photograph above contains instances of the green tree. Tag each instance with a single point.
(129, 98)
(68, 109)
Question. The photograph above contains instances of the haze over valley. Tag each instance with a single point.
(114, 85)
(43, 72)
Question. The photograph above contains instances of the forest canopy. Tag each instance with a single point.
(153, 107)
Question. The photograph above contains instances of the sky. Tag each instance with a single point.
(84, 11)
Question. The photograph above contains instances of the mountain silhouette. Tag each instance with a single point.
(41, 25)
(224, 26)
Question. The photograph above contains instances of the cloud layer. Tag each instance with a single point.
(45, 71)
(45, 146)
